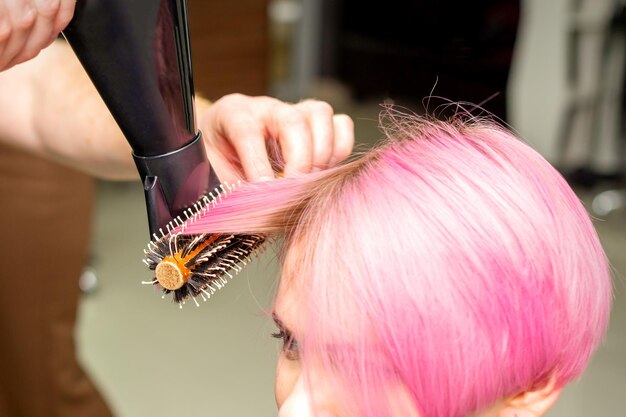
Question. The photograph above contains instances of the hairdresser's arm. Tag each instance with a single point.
(48, 106)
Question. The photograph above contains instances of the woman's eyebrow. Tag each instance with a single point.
(277, 320)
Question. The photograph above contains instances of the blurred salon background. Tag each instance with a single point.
(553, 70)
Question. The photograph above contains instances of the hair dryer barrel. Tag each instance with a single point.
(137, 53)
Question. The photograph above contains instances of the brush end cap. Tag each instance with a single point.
(169, 275)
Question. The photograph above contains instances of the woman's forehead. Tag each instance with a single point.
(289, 304)
(294, 284)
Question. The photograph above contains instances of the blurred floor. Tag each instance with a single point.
(152, 359)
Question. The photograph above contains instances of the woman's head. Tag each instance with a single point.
(446, 272)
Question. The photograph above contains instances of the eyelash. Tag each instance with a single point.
(290, 344)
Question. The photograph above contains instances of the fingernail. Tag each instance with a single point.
(316, 169)
(265, 178)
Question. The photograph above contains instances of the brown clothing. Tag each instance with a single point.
(45, 221)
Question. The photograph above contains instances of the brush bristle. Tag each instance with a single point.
(207, 258)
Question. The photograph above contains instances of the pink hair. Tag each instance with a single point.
(452, 260)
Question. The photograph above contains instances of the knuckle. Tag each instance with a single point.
(291, 117)
(243, 129)
(322, 108)
(64, 15)
(239, 119)
(26, 20)
(5, 30)
(233, 97)
(48, 8)
(346, 121)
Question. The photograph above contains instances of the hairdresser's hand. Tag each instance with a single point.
(242, 134)
(28, 26)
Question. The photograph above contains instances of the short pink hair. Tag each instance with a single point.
(453, 260)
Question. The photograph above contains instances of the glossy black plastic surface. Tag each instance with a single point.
(174, 181)
(138, 55)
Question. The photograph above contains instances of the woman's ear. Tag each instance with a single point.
(533, 403)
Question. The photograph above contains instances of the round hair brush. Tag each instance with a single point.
(197, 265)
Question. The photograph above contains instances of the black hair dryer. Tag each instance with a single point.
(138, 55)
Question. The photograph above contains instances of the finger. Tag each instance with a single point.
(23, 17)
(320, 119)
(5, 27)
(248, 139)
(290, 126)
(64, 15)
(344, 138)
(41, 32)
